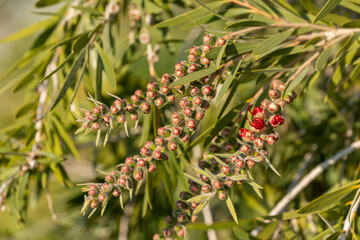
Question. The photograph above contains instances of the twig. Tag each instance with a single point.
(50, 203)
(209, 221)
(319, 169)
(302, 67)
(350, 216)
(124, 222)
(256, 10)
(6, 183)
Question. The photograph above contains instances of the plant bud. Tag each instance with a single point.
(222, 195)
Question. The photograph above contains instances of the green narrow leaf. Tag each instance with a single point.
(194, 179)
(184, 18)
(199, 198)
(272, 42)
(326, 9)
(213, 12)
(69, 57)
(81, 42)
(98, 137)
(211, 175)
(296, 81)
(323, 59)
(46, 3)
(220, 55)
(271, 166)
(193, 76)
(65, 137)
(126, 128)
(203, 204)
(231, 208)
(26, 108)
(108, 131)
(104, 204)
(227, 83)
(121, 201)
(98, 78)
(326, 201)
(108, 68)
(30, 30)
(70, 78)
(233, 49)
(219, 161)
(244, 23)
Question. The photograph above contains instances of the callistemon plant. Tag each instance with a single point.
(186, 113)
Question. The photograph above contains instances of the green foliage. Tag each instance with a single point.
(112, 49)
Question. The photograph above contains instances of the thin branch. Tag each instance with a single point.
(350, 216)
(209, 221)
(313, 174)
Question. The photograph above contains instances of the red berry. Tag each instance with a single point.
(166, 232)
(135, 98)
(265, 103)
(139, 93)
(197, 101)
(191, 124)
(257, 123)
(273, 94)
(95, 126)
(270, 139)
(145, 107)
(206, 90)
(144, 151)
(206, 48)
(96, 111)
(208, 39)
(179, 73)
(275, 84)
(159, 141)
(118, 103)
(273, 107)
(121, 181)
(94, 203)
(216, 184)
(245, 149)
(205, 188)
(138, 175)
(193, 218)
(205, 105)
(281, 87)
(166, 79)
(157, 155)
(152, 167)
(152, 86)
(164, 90)
(176, 131)
(221, 195)
(180, 232)
(192, 58)
(204, 61)
(109, 178)
(172, 146)
(134, 116)
(187, 112)
(276, 120)
(129, 161)
(225, 169)
(150, 94)
(229, 182)
(184, 102)
(239, 163)
(259, 142)
(141, 162)
(114, 109)
(250, 163)
(184, 137)
(192, 68)
(170, 97)
(101, 197)
(159, 102)
(199, 115)
(181, 205)
(125, 169)
(121, 118)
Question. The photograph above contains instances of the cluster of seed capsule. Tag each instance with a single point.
(183, 123)
(231, 167)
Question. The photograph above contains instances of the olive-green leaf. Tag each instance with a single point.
(108, 68)
(296, 81)
(328, 200)
(227, 83)
(272, 42)
(30, 106)
(221, 53)
(323, 59)
(233, 49)
(69, 57)
(246, 23)
(30, 30)
(193, 76)
(81, 42)
(231, 208)
(327, 8)
(70, 77)
(193, 14)
(45, 3)
(194, 179)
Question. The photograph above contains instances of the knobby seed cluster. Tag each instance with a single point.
(216, 176)
(184, 122)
